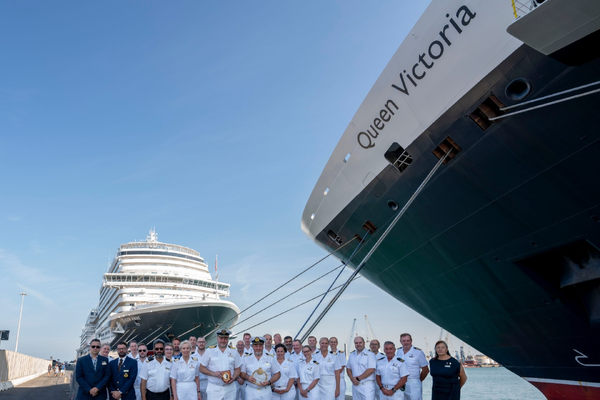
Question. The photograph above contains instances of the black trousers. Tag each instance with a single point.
(158, 396)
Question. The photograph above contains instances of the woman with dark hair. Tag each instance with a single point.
(447, 373)
(284, 389)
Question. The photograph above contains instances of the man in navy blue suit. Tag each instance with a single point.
(92, 374)
(123, 371)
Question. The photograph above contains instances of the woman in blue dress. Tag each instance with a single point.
(447, 373)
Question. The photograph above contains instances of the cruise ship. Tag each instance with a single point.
(155, 290)
(475, 159)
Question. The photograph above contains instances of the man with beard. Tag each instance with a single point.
(176, 352)
(155, 381)
(288, 342)
(142, 358)
(361, 371)
(260, 370)
(221, 364)
(123, 371)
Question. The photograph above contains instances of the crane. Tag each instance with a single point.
(352, 331)
(430, 356)
(369, 330)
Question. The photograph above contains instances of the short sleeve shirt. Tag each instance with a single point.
(391, 371)
(414, 359)
(360, 362)
(216, 360)
(185, 371)
(266, 362)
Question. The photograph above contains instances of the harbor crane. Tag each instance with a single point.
(369, 330)
(352, 332)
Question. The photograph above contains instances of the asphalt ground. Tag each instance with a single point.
(41, 388)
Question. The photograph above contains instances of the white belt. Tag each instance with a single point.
(365, 382)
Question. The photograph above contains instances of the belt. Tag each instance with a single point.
(165, 391)
(217, 384)
(259, 387)
(365, 382)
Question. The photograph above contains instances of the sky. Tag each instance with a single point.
(210, 121)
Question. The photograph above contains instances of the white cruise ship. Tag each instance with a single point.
(157, 290)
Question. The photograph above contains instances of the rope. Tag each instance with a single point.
(293, 308)
(375, 246)
(551, 95)
(330, 286)
(281, 286)
(546, 104)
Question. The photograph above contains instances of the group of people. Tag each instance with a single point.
(58, 369)
(265, 367)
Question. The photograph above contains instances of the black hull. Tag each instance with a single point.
(501, 247)
(182, 321)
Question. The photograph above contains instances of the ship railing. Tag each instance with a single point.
(162, 246)
(154, 280)
(521, 8)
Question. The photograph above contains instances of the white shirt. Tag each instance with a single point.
(216, 360)
(200, 374)
(138, 378)
(288, 371)
(156, 375)
(185, 371)
(266, 362)
(414, 359)
(308, 372)
(360, 362)
(341, 356)
(328, 364)
(270, 352)
(391, 371)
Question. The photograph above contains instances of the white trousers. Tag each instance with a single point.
(364, 391)
(342, 395)
(187, 390)
(138, 393)
(414, 389)
(312, 395)
(203, 386)
(326, 387)
(399, 395)
(240, 391)
(220, 392)
(258, 393)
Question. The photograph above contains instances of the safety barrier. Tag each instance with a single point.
(16, 368)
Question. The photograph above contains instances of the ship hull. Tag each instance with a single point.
(501, 247)
(166, 322)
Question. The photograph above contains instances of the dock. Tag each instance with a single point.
(42, 387)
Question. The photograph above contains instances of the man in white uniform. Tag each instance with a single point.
(260, 370)
(374, 348)
(142, 357)
(155, 381)
(240, 386)
(391, 374)
(312, 343)
(200, 350)
(269, 349)
(296, 357)
(361, 371)
(276, 339)
(417, 365)
(193, 340)
(221, 364)
(247, 345)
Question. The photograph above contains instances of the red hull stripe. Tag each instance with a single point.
(555, 389)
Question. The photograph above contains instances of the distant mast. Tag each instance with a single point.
(216, 278)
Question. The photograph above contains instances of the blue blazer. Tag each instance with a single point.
(87, 378)
(123, 381)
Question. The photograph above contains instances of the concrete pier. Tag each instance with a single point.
(42, 387)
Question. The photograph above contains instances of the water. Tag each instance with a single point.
(486, 383)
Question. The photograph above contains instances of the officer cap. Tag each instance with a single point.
(224, 333)
(258, 340)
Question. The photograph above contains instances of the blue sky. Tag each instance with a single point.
(210, 121)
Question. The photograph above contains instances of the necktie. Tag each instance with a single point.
(120, 364)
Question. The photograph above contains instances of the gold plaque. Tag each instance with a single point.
(226, 376)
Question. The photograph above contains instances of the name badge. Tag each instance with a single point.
(103, 362)
(447, 366)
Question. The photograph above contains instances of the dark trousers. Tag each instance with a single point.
(166, 395)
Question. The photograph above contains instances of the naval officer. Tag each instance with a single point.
(333, 343)
(417, 367)
(374, 346)
(330, 369)
(284, 389)
(185, 383)
(221, 364)
(308, 376)
(361, 371)
(141, 359)
(391, 374)
(155, 375)
(200, 350)
(260, 371)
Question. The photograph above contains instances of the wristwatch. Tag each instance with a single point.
(307, 390)
(358, 379)
(381, 387)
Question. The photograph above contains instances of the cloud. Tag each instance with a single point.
(14, 218)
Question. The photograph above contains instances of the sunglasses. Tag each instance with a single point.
(95, 347)
(142, 351)
(159, 348)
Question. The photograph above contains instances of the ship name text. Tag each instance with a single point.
(419, 70)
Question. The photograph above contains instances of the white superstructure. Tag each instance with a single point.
(151, 278)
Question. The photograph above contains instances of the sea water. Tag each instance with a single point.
(486, 384)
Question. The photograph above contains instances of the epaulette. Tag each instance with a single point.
(331, 352)
(168, 359)
(353, 351)
(399, 359)
(247, 354)
(231, 347)
(194, 358)
(315, 361)
(149, 359)
(340, 351)
(417, 348)
(269, 354)
(212, 347)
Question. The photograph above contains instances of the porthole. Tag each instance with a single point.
(392, 204)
